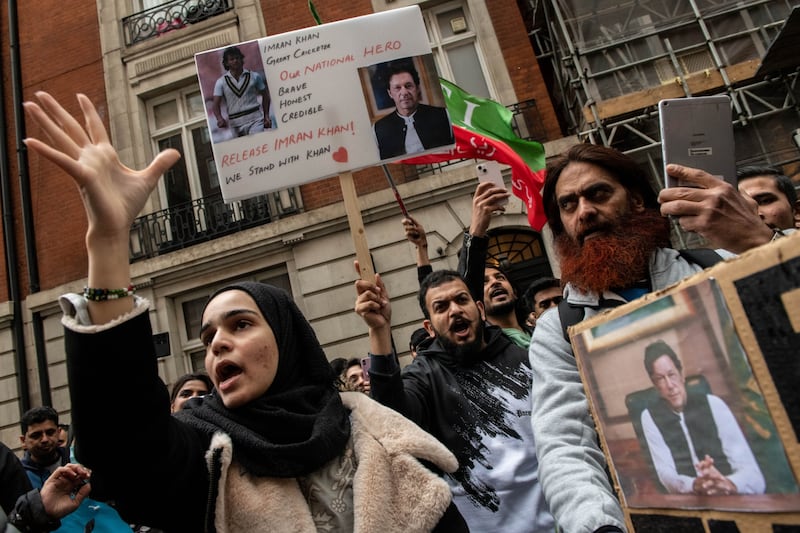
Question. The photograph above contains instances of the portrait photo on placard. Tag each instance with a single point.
(235, 93)
(406, 106)
(681, 417)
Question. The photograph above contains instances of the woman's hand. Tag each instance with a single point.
(113, 194)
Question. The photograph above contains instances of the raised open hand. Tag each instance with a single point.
(112, 193)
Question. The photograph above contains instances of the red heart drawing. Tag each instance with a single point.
(340, 155)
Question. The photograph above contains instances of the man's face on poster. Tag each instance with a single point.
(669, 383)
(404, 92)
(234, 63)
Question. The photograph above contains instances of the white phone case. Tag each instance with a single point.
(490, 171)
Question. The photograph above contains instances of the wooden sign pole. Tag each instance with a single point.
(353, 211)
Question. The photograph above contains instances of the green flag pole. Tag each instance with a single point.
(314, 12)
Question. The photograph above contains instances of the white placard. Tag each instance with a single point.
(327, 87)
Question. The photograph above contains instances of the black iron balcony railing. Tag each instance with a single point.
(170, 16)
(202, 220)
(209, 218)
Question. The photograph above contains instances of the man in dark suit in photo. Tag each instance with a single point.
(412, 127)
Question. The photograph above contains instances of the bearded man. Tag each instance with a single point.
(612, 244)
(488, 282)
(500, 300)
(470, 387)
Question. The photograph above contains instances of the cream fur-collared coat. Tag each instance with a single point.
(392, 490)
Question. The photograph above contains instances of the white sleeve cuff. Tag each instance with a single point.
(76, 313)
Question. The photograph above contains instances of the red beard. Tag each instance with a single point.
(618, 258)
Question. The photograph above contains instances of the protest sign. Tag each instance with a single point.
(300, 106)
(698, 383)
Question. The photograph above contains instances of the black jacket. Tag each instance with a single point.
(169, 490)
(432, 125)
(14, 481)
(28, 516)
(476, 408)
(172, 488)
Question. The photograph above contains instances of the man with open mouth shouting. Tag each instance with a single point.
(486, 279)
(471, 389)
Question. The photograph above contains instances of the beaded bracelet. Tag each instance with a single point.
(101, 295)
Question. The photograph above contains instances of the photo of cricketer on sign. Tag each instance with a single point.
(241, 103)
(317, 132)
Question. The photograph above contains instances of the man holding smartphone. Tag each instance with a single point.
(487, 282)
(613, 246)
(698, 132)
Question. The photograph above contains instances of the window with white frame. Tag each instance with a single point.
(456, 48)
(190, 189)
(177, 120)
(189, 309)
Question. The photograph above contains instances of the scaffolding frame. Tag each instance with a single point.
(579, 66)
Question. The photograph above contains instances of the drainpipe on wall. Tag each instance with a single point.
(12, 281)
(25, 204)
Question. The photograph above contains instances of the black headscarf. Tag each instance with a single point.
(299, 424)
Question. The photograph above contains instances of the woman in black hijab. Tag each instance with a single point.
(274, 386)
(274, 447)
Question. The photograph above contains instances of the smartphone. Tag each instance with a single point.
(365, 363)
(698, 132)
(490, 171)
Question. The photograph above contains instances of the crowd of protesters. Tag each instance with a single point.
(487, 428)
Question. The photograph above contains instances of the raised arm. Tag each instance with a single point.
(372, 304)
(169, 450)
(112, 193)
(488, 199)
(403, 394)
(415, 233)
